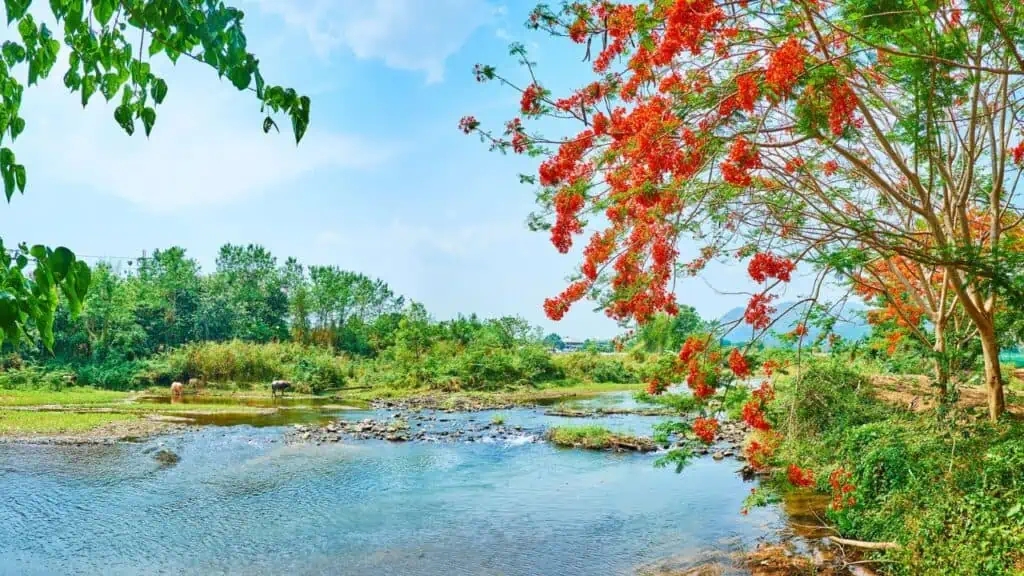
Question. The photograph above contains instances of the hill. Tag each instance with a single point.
(851, 327)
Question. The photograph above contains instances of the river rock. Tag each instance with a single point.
(718, 455)
(166, 457)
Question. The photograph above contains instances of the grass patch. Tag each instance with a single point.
(594, 437)
(25, 423)
(67, 397)
(498, 419)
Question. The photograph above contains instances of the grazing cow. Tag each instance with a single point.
(176, 389)
(279, 386)
(195, 383)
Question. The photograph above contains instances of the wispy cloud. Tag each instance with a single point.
(207, 146)
(417, 35)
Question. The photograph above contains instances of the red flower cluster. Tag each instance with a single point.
(691, 348)
(800, 331)
(747, 91)
(839, 480)
(760, 449)
(686, 26)
(1018, 154)
(759, 311)
(578, 31)
(830, 167)
(555, 308)
(738, 364)
(468, 123)
(765, 265)
(844, 102)
(800, 477)
(530, 102)
(794, 164)
(705, 429)
(785, 65)
(743, 158)
(754, 416)
(656, 386)
(515, 129)
(769, 367)
(620, 25)
(567, 206)
(764, 393)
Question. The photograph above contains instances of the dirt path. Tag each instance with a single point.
(916, 393)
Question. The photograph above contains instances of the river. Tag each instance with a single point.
(241, 501)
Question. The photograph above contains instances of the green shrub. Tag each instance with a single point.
(827, 396)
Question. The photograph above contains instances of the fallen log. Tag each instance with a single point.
(865, 545)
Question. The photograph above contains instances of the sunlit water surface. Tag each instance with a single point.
(240, 501)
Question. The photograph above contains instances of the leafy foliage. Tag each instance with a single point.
(98, 36)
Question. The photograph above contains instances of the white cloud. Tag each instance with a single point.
(207, 146)
(416, 35)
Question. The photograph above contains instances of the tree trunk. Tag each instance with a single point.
(993, 378)
(941, 362)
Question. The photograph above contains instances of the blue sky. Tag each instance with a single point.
(383, 183)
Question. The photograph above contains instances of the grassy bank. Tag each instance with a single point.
(947, 486)
(594, 437)
(28, 423)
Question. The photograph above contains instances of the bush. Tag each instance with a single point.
(601, 368)
(827, 396)
(310, 368)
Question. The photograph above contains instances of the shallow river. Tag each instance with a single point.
(240, 501)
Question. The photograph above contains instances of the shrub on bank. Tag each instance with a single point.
(951, 492)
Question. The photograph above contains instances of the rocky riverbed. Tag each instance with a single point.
(417, 427)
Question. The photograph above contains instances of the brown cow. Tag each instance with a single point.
(176, 389)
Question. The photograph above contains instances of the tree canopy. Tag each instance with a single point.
(109, 46)
(837, 133)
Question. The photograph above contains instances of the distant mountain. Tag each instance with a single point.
(852, 327)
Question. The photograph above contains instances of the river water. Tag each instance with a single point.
(241, 501)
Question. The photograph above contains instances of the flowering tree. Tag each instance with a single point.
(832, 132)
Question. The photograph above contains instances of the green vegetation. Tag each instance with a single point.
(97, 37)
(21, 422)
(947, 486)
(80, 396)
(593, 437)
(498, 419)
(253, 320)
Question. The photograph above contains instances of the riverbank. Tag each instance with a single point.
(83, 414)
(932, 491)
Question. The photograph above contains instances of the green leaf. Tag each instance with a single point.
(88, 88)
(103, 10)
(300, 118)
(123, 116)
(83, 277)
(19, 177)
(38, 252)
(148, 118)
(16, 9)
(8, 310)
(17, 127)
(240, 77)
(60, 263)
(269, 123)
(159, 90)
(9, 183)
(155, 46)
